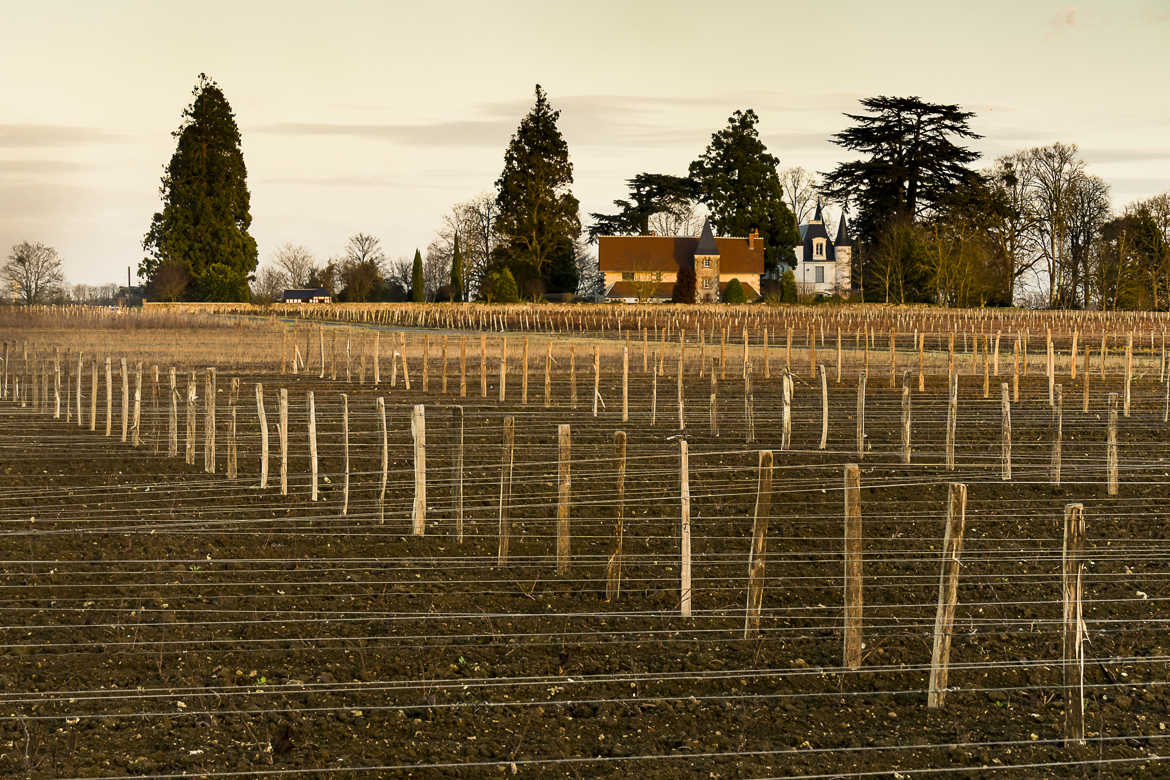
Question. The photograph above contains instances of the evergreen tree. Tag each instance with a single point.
(733, 292)
(456, 271)
(650, 194)
(788, 287)
(418, 292)
(537, 210)
(203, 225)
(736, 177)
(684, 284)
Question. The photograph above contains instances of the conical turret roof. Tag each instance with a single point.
(842, 238)
(707, 245)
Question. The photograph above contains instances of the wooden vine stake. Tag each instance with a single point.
(263, 418)
(312, 413)
(1111, 447)
(625, 384)
(861, 415)
(684, 530)
(564, 492)
(785, 410)
(190, 420)
(906, 414)
(952, 420)
(596, 378)
(713, 404)
(233, 453)
(853, 598)
(173, 418)
(824, 409)
(1128, 373)
(1073, 660)
(613, 571)
(345, 453)
(418, 432)
(1005, 413)
(125, 399)
(1057, 434)
(457, 470)
(282, 432)
(136, 425)
(755, 594)
(948, 588)
(505, 529)
(381, 407)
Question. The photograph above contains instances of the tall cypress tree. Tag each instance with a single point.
(456, 271)
(537, 210)
(418, 292)
(202, 230)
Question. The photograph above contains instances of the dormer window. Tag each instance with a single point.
(707, 262)
(819, 249)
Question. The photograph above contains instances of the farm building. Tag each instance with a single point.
(311, 295)
(645, 268)
(823, 265)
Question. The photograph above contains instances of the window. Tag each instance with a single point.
(627, 276)
(707, 263)
(820, 274)
(819, 248)
(707, 283)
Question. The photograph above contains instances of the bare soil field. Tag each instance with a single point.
(163, 619)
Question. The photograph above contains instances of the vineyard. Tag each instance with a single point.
(459, 540)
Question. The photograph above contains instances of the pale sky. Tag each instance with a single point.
(377, 116)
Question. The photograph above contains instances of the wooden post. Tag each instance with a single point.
(1016, 371)
(1050, 369)
(505, 531)
(524, 375)
(1128, 372)
(233, 454)
(1073, 626)
(381, 407)
(312, 414)
(1072, 357)
(173, 421)
(503, 368)
(906, 414)
(418, 432)
(136, 427)
(824, 409)
(463, 366)
(749, 420)
(812, 352)
(684, 531)
(1057, 435)
(282, 431)
(1005, 412)
(321, 352)
(573, 374)
(93, 396)
(1111, 446)
(785, 410)
(483, 364)
(755, 594)
(839, 355)
(377, 367)
(345, 453)
(596, 378)
(861, 415)
(713, 403)
(613, 572)
(548, 372)
(788, 349)
(853, 568)
(892, 359)
(190, 420)
(457, 470)
(921, 372)
(263, 417)
(948, 589)
(625, 384)
(125, 398)
(1086, 373)
(564, 483)
(426, 363)
(952, 420)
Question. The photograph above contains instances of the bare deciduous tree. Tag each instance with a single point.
(34, 272)
(296, 262)
(270, 283)
(801, 189)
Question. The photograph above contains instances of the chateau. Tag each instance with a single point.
(823, 266)
(645, 268)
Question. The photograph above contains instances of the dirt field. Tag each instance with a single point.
(162, 620)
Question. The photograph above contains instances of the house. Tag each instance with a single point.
(311, 295)
(823, 265)
(645, 268)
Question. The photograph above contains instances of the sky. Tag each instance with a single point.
(376, 117)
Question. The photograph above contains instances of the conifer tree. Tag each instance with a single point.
(456, 271)
(537, 210)
(202, 230)
(417, 285)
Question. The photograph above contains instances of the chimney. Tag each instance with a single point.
(752, 236)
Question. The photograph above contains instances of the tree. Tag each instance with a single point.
(651, 195)
(417, 284)
(34, 273)
(536, 208)
(737, 180)
(206, 205)
(684, 284)
(456, 271)
(500, 287)
(590, 280)
(788, 292)
(269, 284)
(296, 262)
(1013, 226)
(910, 159)
(360, 269)
(1051, 173)
(801, 189)
(733, 292)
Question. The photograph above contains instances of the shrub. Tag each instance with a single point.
(684, 285)
(733, 292)
(788, 287)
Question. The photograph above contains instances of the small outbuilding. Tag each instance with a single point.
(311, 295)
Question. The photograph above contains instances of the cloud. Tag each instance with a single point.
(1062, 20)
(40, 166)
(333, 181)
(453, 133)
(1129, 154)
(27, 135)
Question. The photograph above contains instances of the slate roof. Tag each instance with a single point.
(843, 233)
(707, 245)
(305, 294)
(808, 233)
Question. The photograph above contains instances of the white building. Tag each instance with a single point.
(822, 265)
